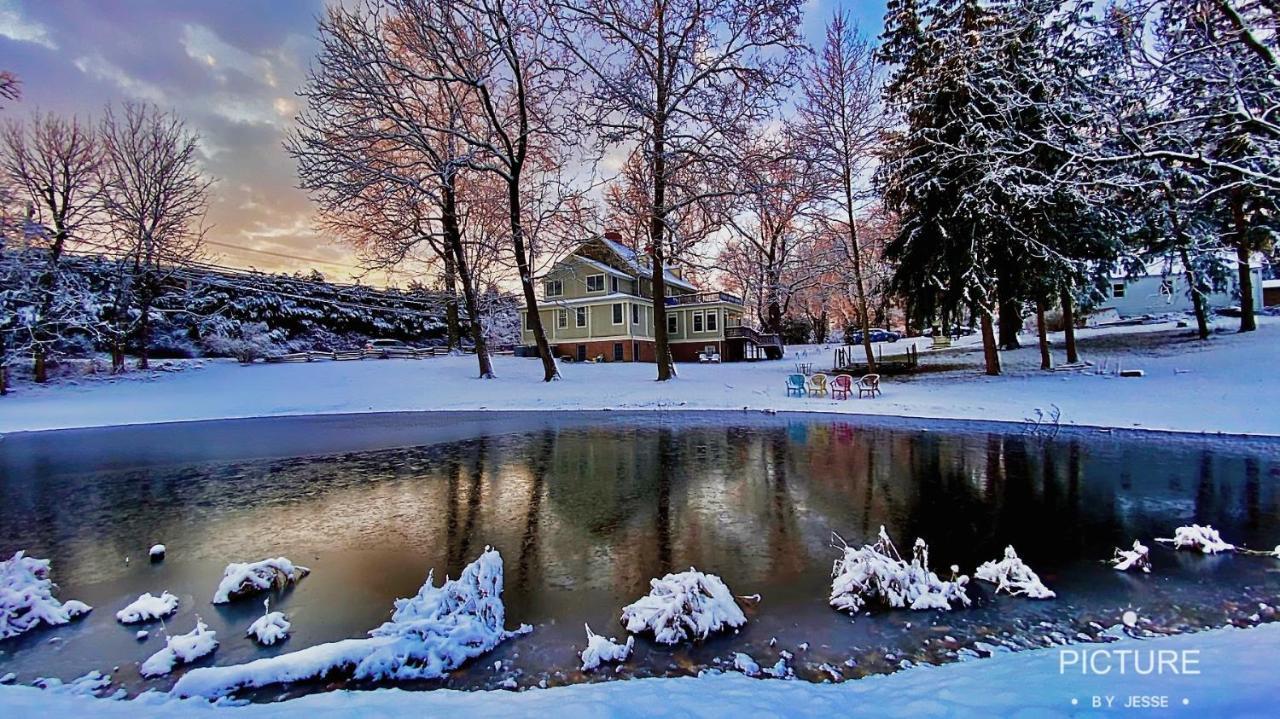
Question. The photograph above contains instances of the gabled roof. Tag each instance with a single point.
(1167, 267)
(639, 267)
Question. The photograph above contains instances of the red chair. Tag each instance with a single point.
(841, 386)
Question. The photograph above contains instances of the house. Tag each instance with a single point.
(597, 303)
(1161, 288)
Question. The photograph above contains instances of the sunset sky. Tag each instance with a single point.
(231, 68)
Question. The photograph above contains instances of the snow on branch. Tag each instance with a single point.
(687, 605)
(604, 649)
(428, 635)
(1013, 576)
(182, 649)
(269, 628)
(1197, 538)
(148, 607)
(1137, 558)
(239, 580)
(875, 574)
(26, 597)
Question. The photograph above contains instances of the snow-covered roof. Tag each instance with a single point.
(627, 255)
(1268, 284)
(1165, 267)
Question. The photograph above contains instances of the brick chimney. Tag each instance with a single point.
(613, 235)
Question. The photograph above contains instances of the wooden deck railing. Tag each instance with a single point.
(764, 340)
(702, 298)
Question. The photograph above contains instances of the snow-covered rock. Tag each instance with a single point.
(181, 649)
(1013, 576)
(686, 605)
(26, 597)
(269, 628)
(1197, 538)
(604, 649)
(156, 553)
(876, 574)
(745, 664)
(148, 607)
(428, 635)
(1137, 558)
(243, 579)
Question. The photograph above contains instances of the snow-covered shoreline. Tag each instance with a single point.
(1222, 387)
(1234, 679)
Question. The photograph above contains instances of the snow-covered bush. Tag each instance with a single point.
(1197, 538)
(148, 607)
(26, 597)
(1012, 576)
(604, 649)
(428, 635)
(875, 574)
(251, 341)
(687, 605)
(182, 649)
(1138, 558)
(172, 343)
(243, 579)
(269, 628)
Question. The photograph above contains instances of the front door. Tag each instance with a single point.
(582, 353)
(617, 351)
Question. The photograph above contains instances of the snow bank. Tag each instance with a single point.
(241, 580)
(428, 635)
(269, 628)
(181, 649)
(604, 649)
(1137, 558)
(1013, 576)
(877, 574)
(148, 607)
(26, 597)
(687, 605)
(1204, 539)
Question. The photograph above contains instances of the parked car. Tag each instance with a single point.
(878, 334)
(388, 348)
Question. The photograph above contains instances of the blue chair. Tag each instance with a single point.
(795, 385)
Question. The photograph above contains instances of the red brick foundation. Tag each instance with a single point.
(632, 350)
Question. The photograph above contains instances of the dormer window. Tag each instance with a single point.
(553, 288)
(595, 283)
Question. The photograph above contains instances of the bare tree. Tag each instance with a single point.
(10, 89)
(52, 165)
(842, 126)
(684, 80)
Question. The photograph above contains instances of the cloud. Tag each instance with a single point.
(16, 27)
(100, 68)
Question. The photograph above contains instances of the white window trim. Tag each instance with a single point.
(546, 288)
(587, 283)
(673, 318)
(562, 319)
(618, 310)
(581, 317)
(699, 324)
(712, 318)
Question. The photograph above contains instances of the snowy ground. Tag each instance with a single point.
(1225, 385)
(1235, 679)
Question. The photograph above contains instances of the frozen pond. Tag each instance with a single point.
(586, 508)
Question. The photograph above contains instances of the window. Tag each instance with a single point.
(617, 351)
(635, 314)
(580, 316)
(613, 285)
(673, 324)
(595, 283)
(562, 319)
(617, 313)
(1117, 290)
(553, 288)
(713, 318)
(697, 321)
(527, 327)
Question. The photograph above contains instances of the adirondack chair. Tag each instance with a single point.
(795, 385)
(869, 385)
(841, 386)
(817, 385)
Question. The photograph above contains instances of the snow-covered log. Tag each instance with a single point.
(26, 597)
(875, 574)
(1012, 576)
(428, 635)
(1197, 538)
(269, 628)
(148, 607)
(604, 649)
(243, 579)
(182, 649)
(687, 605)
(1137, 558)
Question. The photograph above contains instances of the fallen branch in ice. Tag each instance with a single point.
(148, 607)
(687, 605)
(1137, 558)
(875, 574)
(604, 649)
(269, 628)
(1013, 576)
(1204, 539)
(26, 597)
(182, 649)
(241, 580)
(430, 634)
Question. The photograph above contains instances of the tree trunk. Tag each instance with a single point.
(1046, 359)
(1069, 326)
(658, 216)
(144, 326)
(4, 379)
(39, 368)
(1196, 287)
(549, 370)
(117, 358)
(457, 258)
(454, 338)
(1010, 323)
(1248, 323)
(990, 352)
